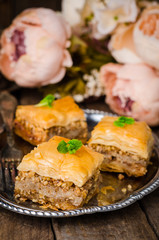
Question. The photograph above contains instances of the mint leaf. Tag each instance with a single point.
(62, 147)
(72, 151)
(122, 121)
(74, 145)
(46, 101)
(119, 124)
(129, 121)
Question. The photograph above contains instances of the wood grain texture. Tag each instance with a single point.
(14, 226)
(125, 224)
(150, 205)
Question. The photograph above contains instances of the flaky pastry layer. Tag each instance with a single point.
(54, 194)
(116, 160)
(37, 135)
(135, 138)
(45, 160)
(62, 113)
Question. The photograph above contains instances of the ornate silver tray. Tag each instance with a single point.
(114, 193)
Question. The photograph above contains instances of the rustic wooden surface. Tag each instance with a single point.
(136, 222)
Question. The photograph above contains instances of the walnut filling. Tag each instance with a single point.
(116, 160)
(55, 194)
(36, 135)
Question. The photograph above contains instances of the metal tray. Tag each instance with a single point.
(114, 193)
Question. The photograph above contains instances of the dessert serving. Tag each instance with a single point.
(126, 144)
(59, 174)
(38, 123)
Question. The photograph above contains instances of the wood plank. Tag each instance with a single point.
(128, 223)
(15, 226)
(150, 205)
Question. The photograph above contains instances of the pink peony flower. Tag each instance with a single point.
(132, 90)
(34, 46)
(146, 36)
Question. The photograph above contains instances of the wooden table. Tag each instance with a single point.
(136, 222)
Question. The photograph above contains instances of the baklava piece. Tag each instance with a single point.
(37, 124)
(58, 180)
(126, 144)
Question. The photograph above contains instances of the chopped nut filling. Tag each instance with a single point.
(115, 160)
(36, 135)
(55, 194)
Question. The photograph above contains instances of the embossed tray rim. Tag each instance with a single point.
(137, 195)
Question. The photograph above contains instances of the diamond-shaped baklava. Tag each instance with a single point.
(126, 147)
(58, 180)
(38, 124)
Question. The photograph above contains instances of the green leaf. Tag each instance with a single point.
(80, 87)
(129, 121)
(77, 44)
(62, 147)
(74, 145)
(122, 121)
(46, 101)
(119, 124)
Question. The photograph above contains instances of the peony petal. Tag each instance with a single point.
(122, 46)
(34, 48)
(108, 16)
(132, 90)
(146, 36)
(67, 60)
(71, 11)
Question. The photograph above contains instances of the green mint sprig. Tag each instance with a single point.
(122, 121)
(46, 101)
(72, 146)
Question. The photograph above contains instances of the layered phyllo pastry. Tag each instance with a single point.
(62, 117)
(59, 174)
(126, 144)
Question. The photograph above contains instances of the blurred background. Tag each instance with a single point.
(10, 8)
(107, 50)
